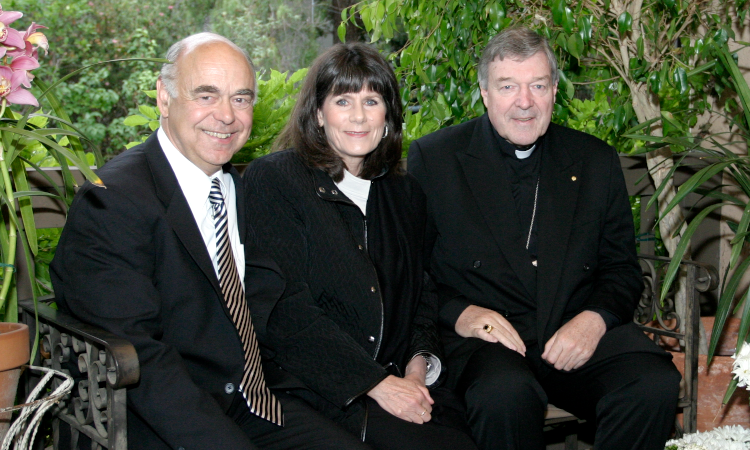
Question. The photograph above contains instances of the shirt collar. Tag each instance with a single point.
(195, 184)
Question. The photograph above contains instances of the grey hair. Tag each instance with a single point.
(518, 44)
(168, 74)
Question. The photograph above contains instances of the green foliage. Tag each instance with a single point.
(443, 41)
(47, 239)
(277, 34)
(25, 140)
(84, 32)
(720, 159)
(271, 112)
(277, 97)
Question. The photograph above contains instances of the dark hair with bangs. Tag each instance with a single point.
(344, 68)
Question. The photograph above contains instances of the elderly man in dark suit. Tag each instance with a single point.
(531, 240)
(157, 258)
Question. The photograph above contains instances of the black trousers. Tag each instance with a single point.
(304, 428)
(632, 398)
(447, 430)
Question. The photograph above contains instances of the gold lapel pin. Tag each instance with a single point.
(573, 178)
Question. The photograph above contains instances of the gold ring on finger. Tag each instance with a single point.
(488, 328)
(423, 412)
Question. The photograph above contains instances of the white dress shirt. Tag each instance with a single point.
(196, 185)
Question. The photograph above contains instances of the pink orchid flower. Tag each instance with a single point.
(11, 89)
(24, 64)
(36, 38)
(33, 39)
(8, 36)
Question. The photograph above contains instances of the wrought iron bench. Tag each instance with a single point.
(103, 365)
(106, 364)
(664, 320)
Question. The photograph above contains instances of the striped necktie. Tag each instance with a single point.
(259, 399)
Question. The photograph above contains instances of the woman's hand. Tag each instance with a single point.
(405, 398)
(416, 370)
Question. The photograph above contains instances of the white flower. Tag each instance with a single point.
(741, 366)
(724, 438)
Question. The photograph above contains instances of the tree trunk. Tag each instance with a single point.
(672, 225)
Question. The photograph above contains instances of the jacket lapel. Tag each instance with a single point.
(239, 195)
(485, 174)
(558, 197)
(179, 215)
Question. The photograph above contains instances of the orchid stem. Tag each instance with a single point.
(12, 236)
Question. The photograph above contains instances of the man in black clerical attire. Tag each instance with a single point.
(531, 240)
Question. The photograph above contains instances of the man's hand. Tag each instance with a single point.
(473, 321)
(404, 398)
(574, 343)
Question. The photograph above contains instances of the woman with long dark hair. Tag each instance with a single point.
(357, 335)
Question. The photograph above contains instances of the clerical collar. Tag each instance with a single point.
(520, 152)
(523, 154)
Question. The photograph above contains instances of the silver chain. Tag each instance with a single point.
(533, 213)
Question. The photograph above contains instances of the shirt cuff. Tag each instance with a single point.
(434, 367)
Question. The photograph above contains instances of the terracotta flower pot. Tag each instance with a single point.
(713, 382)
(14, 352)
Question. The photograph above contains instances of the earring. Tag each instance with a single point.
(386, 131)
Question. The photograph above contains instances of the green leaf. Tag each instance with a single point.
(566, 86)
(379, 12)
(562, 42)
(639, 127)
(568, 20)
(739, 82)
(365, 16)
(744, 324)
(730, 391)
(584, 28)
(147, 111)
(558, 12)
(135, 121)
(24, 203)
(679, 76)
(741, 231)
(624, 22)
(575, 45)
(723, 307)
(83, 167)
(669, 117)
(674, 264)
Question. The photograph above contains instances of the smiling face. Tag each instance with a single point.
(519, 98)
(212, 115)
(354, 124)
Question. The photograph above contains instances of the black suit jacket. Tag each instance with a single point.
(131, 260)
(586, 251)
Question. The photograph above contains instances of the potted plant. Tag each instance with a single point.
(720, 160)
(18, 131)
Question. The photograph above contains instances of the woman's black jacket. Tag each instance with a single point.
(368, 307)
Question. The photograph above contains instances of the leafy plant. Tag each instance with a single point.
(720, 159)
(646, 59)
(21, 133)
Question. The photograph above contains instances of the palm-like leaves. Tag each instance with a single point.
(720, 160)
